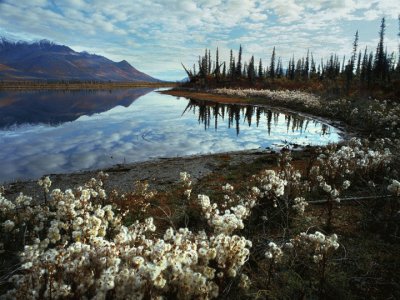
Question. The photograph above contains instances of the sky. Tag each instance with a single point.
(157, 36)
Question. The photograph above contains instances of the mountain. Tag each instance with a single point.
(45, 60)
(57, 107)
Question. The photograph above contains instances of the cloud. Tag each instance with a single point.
(155, 36)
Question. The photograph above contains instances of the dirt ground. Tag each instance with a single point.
(160, 173)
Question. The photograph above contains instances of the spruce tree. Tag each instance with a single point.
(364, 66)
(272, 65)
(217, 69)
(313, 69)
(358, 69)
(354, 56)
(260, 69)
(239, 63)
(231, 65)
(380, 58)
(209, 62)
(251, 71)
(306, 66)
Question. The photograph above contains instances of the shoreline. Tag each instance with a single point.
(165, 170)
(160, 173)
(344, 130)
(19, 86)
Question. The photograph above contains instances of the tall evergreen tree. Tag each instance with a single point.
(279, 68)
(260, 69)
(231, 64)
(380, 58)
(306, 66)
(209, 62)
(217, 69)
(272, 65)
(239, 63)
(297, 71)
(251, 71)
(354, 55)
(244, 71)
(350, 66)
(369, 68)
(313, 69)
(292, 69)
(358, 69)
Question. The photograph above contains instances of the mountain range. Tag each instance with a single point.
(57, 107)
(45, 60)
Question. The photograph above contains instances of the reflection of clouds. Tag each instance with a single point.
(151, 127)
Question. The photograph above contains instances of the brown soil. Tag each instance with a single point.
(160, 173)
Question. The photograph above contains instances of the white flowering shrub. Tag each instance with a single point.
(88, 243)
(282, 192)
(394, 188)
(379, 117)
(311, 254)
(284, 96)
(274, 253)
(45, 183)
(228, 215)
(316, 246)
(384, 115)
(186, 182)
(305, 252)
(79, 248)
(334, 169)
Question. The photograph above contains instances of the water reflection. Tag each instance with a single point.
(210, 112)
(56, 107)
(137, 129)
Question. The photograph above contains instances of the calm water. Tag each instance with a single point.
(55, 132)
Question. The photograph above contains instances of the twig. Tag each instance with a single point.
(349, 199)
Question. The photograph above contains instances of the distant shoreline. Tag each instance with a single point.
(32, 85)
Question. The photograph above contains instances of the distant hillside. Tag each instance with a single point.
(38, 107)
(46, 60)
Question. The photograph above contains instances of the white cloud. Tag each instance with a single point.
(155, 36)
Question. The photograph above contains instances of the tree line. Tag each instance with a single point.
(364, 68)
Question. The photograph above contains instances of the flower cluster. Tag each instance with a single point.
(236, 209)
(186, 182)
(316, 246)
(45, 183)
(394, 187)
(80, 248)
(334, 167)
(284, 96)
(272, 185)
(299, 205)
(274, 253)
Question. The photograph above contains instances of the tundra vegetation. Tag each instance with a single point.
(320, 223)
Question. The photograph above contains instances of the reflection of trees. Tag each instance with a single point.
(208, 112)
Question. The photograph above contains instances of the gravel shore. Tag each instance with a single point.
(160, 173)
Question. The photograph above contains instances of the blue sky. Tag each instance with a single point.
(156, 36)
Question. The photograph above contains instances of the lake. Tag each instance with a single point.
(46, 132)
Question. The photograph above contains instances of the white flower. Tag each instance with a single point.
(346, 184)
(394, 188)
(8, 225)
